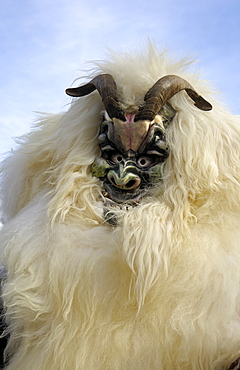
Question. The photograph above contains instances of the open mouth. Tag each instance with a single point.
(120, 196)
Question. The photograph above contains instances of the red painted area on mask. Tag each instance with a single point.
(129, 117)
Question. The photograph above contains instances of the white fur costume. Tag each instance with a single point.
(160, 291)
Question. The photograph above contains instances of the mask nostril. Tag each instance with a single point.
(131, 184)
(112, 180)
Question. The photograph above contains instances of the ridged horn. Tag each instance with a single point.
(107, 89)
(163, 90)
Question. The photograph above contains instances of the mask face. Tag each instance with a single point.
(133, 145)
(131, 161)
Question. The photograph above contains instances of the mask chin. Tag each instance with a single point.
(119, 200)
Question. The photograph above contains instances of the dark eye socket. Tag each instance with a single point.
(116, 158)
(145, 161)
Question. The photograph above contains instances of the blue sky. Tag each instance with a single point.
(45, 44)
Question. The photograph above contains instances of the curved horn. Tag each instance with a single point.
(107, 89)
(164, 89)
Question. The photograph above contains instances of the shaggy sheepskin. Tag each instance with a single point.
(158, 291)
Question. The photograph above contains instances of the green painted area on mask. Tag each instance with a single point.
(100, 167)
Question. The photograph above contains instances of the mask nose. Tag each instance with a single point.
(124, 180)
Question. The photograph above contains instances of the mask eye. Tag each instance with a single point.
(116, 158)
(145, 161)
